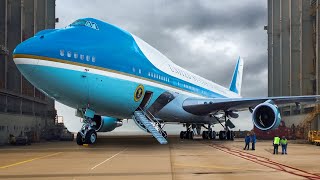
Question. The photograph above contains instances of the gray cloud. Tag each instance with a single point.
(205, 36)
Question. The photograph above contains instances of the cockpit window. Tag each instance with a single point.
(79, 22)
(82, 22)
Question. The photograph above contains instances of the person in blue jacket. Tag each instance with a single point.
(247, 141)
(253, 140)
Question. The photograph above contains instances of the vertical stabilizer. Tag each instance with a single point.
(236, 82)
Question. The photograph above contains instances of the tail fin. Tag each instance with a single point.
(236, 82)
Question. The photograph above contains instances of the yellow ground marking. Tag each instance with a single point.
(216, 167)
(29, 160)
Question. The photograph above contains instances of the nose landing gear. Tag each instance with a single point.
(87, 134)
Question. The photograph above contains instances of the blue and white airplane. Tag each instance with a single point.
(109, 74)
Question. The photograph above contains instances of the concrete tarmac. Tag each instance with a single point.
(141, 157)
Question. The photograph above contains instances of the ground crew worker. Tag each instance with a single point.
(253, 140)
(284, 144)
(276, 143)
(247, 141)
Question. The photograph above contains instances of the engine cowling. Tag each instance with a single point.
(266, 116)
(106, 124)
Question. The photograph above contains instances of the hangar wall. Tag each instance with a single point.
(293, 51)
(22, 107)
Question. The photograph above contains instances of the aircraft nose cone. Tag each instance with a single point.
(32, 46)
(24, 56)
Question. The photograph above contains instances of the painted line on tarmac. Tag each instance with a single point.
(29, 160)
(264, 161)
(108, 159)
(216, 167)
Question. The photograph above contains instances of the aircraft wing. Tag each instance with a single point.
(203, 106)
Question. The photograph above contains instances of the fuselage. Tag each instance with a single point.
(92, 63)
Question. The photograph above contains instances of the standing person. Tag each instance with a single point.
(247, 141)
(284, 143)
(253, 140)
(276, 142)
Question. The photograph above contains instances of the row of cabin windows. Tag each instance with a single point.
(156, 76)
(75, 55)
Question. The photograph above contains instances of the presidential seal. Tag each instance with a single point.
(138, 93)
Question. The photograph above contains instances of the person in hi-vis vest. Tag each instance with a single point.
(284, 144)
(276, 143)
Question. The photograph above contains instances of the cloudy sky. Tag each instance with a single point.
(204, 36)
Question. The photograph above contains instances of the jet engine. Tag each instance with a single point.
(266, 116)
(106, 124)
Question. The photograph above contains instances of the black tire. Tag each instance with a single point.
(182, 135)
(191, 134)
(222, 135)
(79, 139)
(90, 137)
(230, 135)
(205, 135)
(212, 135)
(186, 135)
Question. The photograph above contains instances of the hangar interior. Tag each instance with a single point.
(23, 108)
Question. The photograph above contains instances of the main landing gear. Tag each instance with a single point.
(189, 134)
(223, 135)
(209, 134)
(87, 134)
(227, 134)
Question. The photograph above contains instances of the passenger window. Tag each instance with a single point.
(81, 56)
(88, 58)
(75, 55)
(61, 52)
(93, 59)
(69, 54)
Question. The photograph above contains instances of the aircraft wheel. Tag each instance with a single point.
(230, 135)
(222, 135)
(212, 135)
(187, 134)
(205, 135)
(91, 137)
(182, 134)
(79, 139)
(191, 134)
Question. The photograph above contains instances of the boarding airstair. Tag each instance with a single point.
(151, 124)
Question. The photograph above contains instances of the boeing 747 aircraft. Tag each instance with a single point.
(109, 74)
